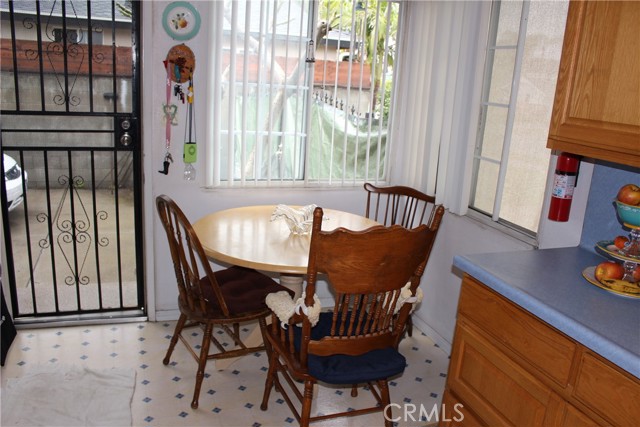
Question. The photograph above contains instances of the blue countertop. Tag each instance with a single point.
(549, 284)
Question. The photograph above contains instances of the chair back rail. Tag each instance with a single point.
(367, 271)
(405, 206)
(399, 204)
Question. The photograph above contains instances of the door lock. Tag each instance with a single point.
(126, 139)
(126, 131)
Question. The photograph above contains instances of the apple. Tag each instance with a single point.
(629, 194)
(620, 241)
(607, 270)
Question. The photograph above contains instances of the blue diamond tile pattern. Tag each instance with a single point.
(229, 397)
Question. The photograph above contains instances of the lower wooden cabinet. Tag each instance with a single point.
(508, 368)
(572, 417)
(607, 390)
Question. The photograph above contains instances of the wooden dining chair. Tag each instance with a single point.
(373, 275)
(208, 299)
(401, 205)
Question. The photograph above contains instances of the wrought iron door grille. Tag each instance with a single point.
(69, 80)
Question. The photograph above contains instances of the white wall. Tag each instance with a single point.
(458, 235)
(441, 281)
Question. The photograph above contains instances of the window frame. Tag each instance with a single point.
(215, 140)
(493, 219)
(492, 47)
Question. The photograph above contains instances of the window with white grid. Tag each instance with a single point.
(511, 159)
(301, 92)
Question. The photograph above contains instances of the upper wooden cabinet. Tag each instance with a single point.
(596, 112)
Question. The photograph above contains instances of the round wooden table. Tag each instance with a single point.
(247, 237)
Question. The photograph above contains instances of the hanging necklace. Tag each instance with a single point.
(190, 154)
(170, 119)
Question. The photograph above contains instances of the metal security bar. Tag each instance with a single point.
(66, 53)
(302, 92)
(76, 256)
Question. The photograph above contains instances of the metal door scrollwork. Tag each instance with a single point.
(73, 232)
(66, 50)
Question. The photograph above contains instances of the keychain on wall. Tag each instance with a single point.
(190, 154)
(179, 65)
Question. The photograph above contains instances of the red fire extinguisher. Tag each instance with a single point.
(564, 181)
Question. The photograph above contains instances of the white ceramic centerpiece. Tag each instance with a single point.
(299, 220)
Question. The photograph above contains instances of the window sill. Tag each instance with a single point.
(503, 228)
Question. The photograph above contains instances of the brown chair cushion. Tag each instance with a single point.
(244, 289)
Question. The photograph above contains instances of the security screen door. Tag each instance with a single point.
(71, 205)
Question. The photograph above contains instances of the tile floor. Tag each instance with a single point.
(229, 397)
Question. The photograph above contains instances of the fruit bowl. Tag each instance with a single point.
(610, 249)
(615, 286)
(629, 214)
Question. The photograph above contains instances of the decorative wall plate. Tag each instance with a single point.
(181, 20)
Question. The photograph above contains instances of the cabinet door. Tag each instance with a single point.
(536, 345)
(574, 418)
(597, 106)
(498, 389)
(607, 390)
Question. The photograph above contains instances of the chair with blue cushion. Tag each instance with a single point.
(207, 299)
(373, 275)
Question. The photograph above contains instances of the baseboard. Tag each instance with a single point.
(431, 333)
(166, 315)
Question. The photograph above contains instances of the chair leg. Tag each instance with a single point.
(174, 339)
(236, 330)
(202, 363)
(409, 326)
(268, 385)
(305, 414)
(262, 322)
(354, 390)
(386, 400)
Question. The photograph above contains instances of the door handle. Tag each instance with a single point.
(128, 131)
(126, 139)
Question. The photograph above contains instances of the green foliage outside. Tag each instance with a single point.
(125, 8)
(372, 18)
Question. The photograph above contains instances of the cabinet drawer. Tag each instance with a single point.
(612, 393)
(536, 343)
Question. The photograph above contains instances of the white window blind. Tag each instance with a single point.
(301, 92)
